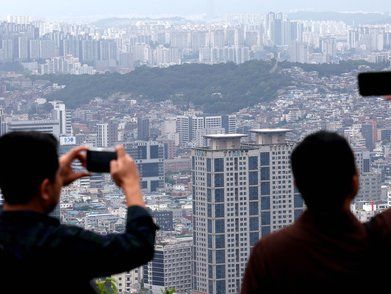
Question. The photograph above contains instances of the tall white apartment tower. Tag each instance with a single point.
(3, 125)
(103, 135)
(64, 116)
(183, 129)
(240, 193)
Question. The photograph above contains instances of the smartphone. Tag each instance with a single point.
(98, 160)
(375, 83)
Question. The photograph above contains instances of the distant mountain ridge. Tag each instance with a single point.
(220, 88)
(350, 18)
(124, 21)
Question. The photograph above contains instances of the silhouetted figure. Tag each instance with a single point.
(327, 249)
(40, 255)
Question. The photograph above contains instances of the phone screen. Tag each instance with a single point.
(99, 161)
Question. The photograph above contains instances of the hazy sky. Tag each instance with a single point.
(77, 8)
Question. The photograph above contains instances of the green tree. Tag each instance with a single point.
(169, 291)
(107, 286)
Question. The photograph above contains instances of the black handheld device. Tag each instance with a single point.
(98, 161)
(375, 83)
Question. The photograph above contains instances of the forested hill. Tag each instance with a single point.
(221, 88)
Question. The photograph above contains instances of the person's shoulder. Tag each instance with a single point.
(275, 241)
(381, 223)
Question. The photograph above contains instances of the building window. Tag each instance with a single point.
(298, 213)
(298, 201)
(141, 152)
(265, 174)
(220, 226)
(265, 218)
(209, 195)
(209, 210)
(254, 208)
(265, 158)
(154, 150)
(254, 224)
(265, 203)
(254, 237)
(253, 193)
(154, 185)
(265, 230)
(253, 178)
(210, 241)
(219, 165)
(220, 271)
(219, 195)
(253, 163)
(210, 227)
(265, 188)
(210, 286)
(220, 241)
(219, 210)
(220, 256)
(220, 287)
(219, 180)
(150, 169)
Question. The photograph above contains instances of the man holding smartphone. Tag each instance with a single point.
(40, 255)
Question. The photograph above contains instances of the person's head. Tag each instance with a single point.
(29, 169)
(324, 170)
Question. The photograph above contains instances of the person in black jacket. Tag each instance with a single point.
(327, 250)
(40, 255)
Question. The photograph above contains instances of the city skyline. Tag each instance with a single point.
(209, 110)
(100, 9)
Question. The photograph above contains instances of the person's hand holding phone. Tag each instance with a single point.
(125, 174)
(67, 174)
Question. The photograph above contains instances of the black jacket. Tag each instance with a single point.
(40, 255)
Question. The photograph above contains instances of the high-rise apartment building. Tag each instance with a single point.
(171, 266)
(196, 123)
(221, 216)
(276, 178)
(183, 129)
(229, 123)
(370, 186)
(240, 193)
(188, 126)
(212, 122)
(368, 131)
(107, 134)
(3, 125)
(64, 116)
(143, 132)
(149, 156)
(112, 133)
(103, 135)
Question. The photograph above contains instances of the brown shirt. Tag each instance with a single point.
(317, 254)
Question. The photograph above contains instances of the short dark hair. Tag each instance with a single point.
(26, 160)
(323, 166)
